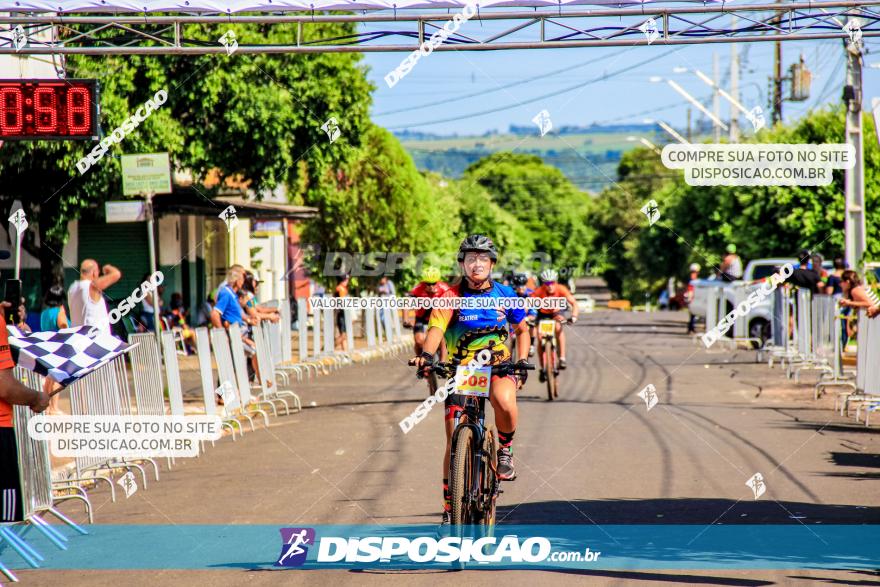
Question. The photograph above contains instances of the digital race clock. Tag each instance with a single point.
(32, 109)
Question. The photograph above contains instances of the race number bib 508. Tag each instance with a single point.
(473, 381)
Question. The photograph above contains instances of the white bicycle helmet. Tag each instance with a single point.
(549, 275)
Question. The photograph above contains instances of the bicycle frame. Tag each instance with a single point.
(473, 416)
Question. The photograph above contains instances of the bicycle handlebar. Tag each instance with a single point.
(503, 369)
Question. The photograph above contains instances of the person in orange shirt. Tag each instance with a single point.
(551, 289)
(12, 392)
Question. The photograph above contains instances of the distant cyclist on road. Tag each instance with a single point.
(520, 284)
(430, 287)
(467, 332)
(549, 288)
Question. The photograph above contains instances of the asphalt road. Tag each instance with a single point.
(594, 456)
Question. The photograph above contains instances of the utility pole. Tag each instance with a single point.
(716, 102)
(734, 91)
(777, 77)
(689, 124)
(854, 179)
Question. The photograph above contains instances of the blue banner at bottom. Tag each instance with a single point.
(790, 546)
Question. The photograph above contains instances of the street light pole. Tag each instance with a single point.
(668, 129)
(692, 100)
(151, 245)
(854, 179)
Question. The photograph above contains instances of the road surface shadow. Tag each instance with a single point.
(671, 577)
(683, 511)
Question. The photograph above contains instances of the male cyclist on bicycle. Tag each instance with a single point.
(468, 331)
(520, 283)
(429, 287)
(549, 288)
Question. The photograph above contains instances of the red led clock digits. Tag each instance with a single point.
(11, 111)
(46, 110)
(78, 111)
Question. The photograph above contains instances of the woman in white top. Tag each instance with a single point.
(86, 296)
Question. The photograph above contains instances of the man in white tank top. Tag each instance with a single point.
(86, 296)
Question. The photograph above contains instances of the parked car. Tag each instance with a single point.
(759, 317)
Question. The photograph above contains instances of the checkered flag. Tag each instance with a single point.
(65, 355)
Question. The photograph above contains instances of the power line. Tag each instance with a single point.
(541, 97)
(499, 88)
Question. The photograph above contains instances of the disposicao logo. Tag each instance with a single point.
(294, 550)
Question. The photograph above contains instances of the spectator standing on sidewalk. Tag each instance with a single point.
(731, 265)
(805, 276)
(341, 292)
(689, 296)
(832, 284)
(855, 296)
(53, 317)
(86, 296)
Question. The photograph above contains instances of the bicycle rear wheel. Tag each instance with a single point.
(461, 476)
(550, 369)
(490, 477)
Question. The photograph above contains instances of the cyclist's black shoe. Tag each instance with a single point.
(542, 376)
(561, 363)
(506, 472)
(446, 520)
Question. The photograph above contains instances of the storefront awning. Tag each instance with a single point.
(190, 201)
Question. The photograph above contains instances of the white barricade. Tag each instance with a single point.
(240, 361)
(223, 357)
(146, 371)
(209, 382)
(172, 373)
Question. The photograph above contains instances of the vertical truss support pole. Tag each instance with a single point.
(854, 179)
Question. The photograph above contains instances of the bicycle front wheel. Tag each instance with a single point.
(550, 368)
(461, 476)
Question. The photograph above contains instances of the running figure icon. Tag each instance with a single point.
(294, 549)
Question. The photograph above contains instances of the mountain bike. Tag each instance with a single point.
(473, 461)
(549, 349)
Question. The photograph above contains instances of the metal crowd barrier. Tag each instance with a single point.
(781, 323)
(248, 402)
(146, 372)
(867, 384)
(209, 387)
(103, 392)
(838, 376)
(268, 380)
(220, 344)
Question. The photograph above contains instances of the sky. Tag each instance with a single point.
(611, 85)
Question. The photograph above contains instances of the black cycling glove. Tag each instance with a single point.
(523, 374)
(425, 369)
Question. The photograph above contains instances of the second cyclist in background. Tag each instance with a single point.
(520, 283)
(431, 286)
(549, 288)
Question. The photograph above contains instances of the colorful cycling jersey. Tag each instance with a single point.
(468, 331)
(561, 292)
(527, 292)
(421, 291)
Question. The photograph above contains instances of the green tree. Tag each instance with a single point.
(552, 210)
(256, 118)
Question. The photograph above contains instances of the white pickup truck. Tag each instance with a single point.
(760, 314)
